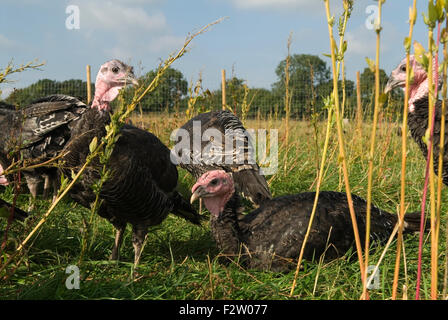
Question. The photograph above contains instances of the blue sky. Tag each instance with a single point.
(251, 41)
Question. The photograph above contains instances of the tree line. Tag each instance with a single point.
(309, 86)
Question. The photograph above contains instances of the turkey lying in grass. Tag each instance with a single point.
(40, 130)
(270, 237)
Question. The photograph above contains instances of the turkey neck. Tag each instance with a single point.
(226, 228)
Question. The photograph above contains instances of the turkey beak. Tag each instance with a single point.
(392, 84)
(198, 193)
(131, 79)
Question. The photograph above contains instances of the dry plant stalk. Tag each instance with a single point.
(404, 129)
(245, 105)
(372, 143)
(435, 15)
(10, 69)
(194, 92)
(334, 102)
(441, 153)
(359, 115)
(435, 207)
(342, 155)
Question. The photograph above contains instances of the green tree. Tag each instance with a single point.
(236, 90)
(306, 73)
(169, 94)
(367, 78)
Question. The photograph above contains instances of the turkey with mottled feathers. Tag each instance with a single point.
(208, 149)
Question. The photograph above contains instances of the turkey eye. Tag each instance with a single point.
(403, 68)
(115, 69)
(214, 182)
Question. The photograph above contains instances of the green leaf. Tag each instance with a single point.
(439, 10)
(344, 47)
(382, 99)
(432, 12)
(445, 4)
(73, 174)
(426, 137)
(407, 44)
(371, 64)
(426, 19)
(420, 54)
(93, 144)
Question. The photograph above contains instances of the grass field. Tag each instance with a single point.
(179, 260)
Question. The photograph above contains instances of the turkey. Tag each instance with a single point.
(418, 110)
(206, 150)
(41, 130)
(141, 187)
(270, 237)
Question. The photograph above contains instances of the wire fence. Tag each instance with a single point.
(309, 97)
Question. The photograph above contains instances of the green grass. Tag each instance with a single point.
(179, 260)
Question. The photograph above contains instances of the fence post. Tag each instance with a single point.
(89, 88)
(223, 87)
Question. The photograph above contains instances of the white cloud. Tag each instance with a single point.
(166, 42)
(130, 28)
(281, 4)
(119, 18)
(362, 41)
(6, 43)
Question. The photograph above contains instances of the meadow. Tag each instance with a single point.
(362, 154)
(180, 260)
